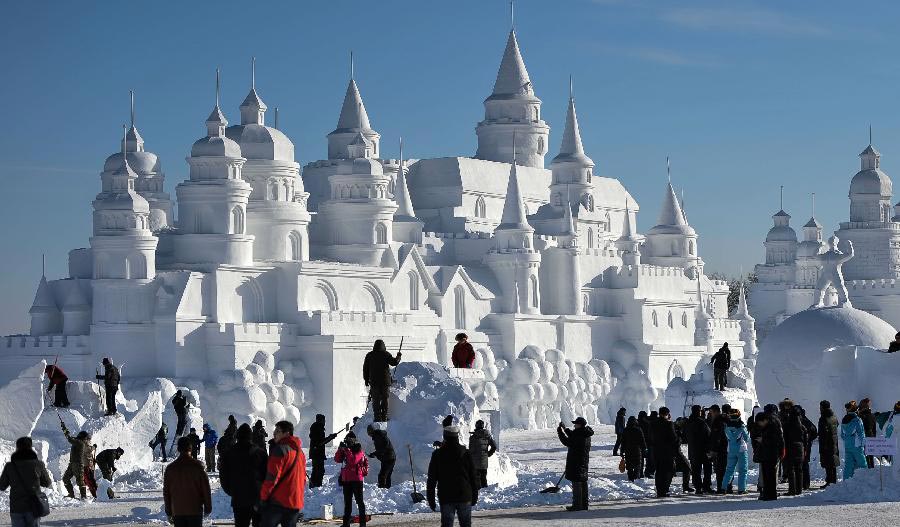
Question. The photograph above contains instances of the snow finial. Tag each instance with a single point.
(512, 15)
(870, 134)
(781, 198)
(216, 122)
(351, 64)
(514, 145)
(571, 89)
(668, 170)
(276, 119)
(813, 204)
(252, 73)
(131, 93)
(217, 87)
(43, 267)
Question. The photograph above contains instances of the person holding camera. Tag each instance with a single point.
(578, 440)
(353, 472)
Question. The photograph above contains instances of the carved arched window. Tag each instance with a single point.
(296, 246)
(413, 291)
(590, 238)
(381, 236)
(654, 319)
(237, 220)
(480, 208)
(535, 292)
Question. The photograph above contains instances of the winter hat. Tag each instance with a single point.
(479, 425)
(580, 421)
(83, 435)
(460, 336)
(452, 431)
(824, 405)
(24, 443)
(120, 451)
(244, 433)
(632, 420)
(231, 419)
(771, 408)
(448, 421)
(851, 406)
(320, 418)
(696, 409)
(865, 403)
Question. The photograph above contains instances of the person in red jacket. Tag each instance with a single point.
(463, 353)
(59, 379)
(353, 472)
(281, 494)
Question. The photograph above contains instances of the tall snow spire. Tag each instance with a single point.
(513, 209)
(353, 112)
(216, 122)
(133, 141)
(401, 192)
(671, 213)
(629, 233)
(253, 109)
(742, 311)
(571, 146)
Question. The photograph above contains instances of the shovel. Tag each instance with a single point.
(416, 496)
(554, 489)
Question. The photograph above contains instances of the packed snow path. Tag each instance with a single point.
(614, 500)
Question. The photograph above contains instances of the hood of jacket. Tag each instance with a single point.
(849, 418)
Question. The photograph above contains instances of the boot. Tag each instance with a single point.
(69, 489)
(83, 492)
(110, 493)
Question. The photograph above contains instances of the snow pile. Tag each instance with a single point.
(699, 389)
(864, 487)
(257, 391)
(541, 388)
(422, 395)
(816, 353)
(21, 403)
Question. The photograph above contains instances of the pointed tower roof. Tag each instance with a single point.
(671, 213)
(216, 122)
(701, 311)
(629, 233)
(43, 298)
(512, 77)
(133, 140)
(513, 209)
(353, 111)
(401, 192)
(742, 312)
(813, 223)
(253, 108)
(571, 148)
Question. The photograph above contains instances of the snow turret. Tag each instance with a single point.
(572, 169)
(512, 108)
(629, 243)
(213, 202)
(253, 109)
(870, 190)
(672, 242)
(407, 228)
(45, 315)
(122, 245)
(353, 121)
(513, 258)
(781, 241)
(748, 325)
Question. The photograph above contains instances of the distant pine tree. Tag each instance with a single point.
(734, 288)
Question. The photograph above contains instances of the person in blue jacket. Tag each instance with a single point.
(210, 438)
(738, 450)
(853, 434)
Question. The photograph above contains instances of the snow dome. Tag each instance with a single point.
(799, 359)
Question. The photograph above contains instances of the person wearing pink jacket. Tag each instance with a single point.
(353, 472)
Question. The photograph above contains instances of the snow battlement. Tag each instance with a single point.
(44, 342)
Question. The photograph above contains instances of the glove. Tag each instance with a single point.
(432, 504)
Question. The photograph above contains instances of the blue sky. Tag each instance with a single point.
(744, 97)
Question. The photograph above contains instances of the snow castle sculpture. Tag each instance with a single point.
(308, 269)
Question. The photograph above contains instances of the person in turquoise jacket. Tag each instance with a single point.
(738, 451)
(854, 435)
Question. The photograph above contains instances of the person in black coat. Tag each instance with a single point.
(894, 346)
(317, 442)
(481, 447)
(829, 449)
(771, 444)
(718, 444)
(634, 448)
(697, 433)
(384, 452)
(870, 424)
(666, 446)
(721, 362)
(619, 429)
(377, 376)
(647, 426)
(812, 432)
(180, 405)
(160, 441)
(243, 469)
(260, 435)
(578, 440)
(795, 445)
(681, 461)
(24, 475)
(452, 480)
(110, 378)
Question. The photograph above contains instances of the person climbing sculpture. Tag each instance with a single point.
(831, 274)
(377, 377)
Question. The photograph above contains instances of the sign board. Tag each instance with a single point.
(881, 446)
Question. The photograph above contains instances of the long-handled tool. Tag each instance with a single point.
(416, 496)
(554, 489)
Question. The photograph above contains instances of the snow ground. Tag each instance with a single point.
(541, 458)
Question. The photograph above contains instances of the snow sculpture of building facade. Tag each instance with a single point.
(314, 268)
(788, 280)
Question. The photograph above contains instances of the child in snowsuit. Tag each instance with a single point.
(854, 435)
(738, 451)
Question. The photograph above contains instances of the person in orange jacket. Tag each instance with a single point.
(281, 495)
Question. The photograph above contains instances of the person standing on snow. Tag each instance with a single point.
(633, 448)
(59, 379)
(795, 444)
(829, 449)
(811, 434)
(738, 450)
(243, 469)
(354, 469)
(870, 424)
(78, 460)
(377, 376)
(666, 447)
(853, 433)
(452, 480)
(282, 490)
(771, 446)
(111, 378)
(481, 447)
(260, 435)
(195, 443)
(384, 452)
(160, 440)
(721, 363)
(619, 429)
(210, 438)
(186, 494)
(24, 475)
(647, 465)
(463, 353)
(317, 442)
(227, 440)
(180, 405)
(718, 445)
(578, 441)
(697, 433)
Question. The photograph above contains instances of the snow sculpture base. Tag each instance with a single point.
(422, 395)
(828, 353)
